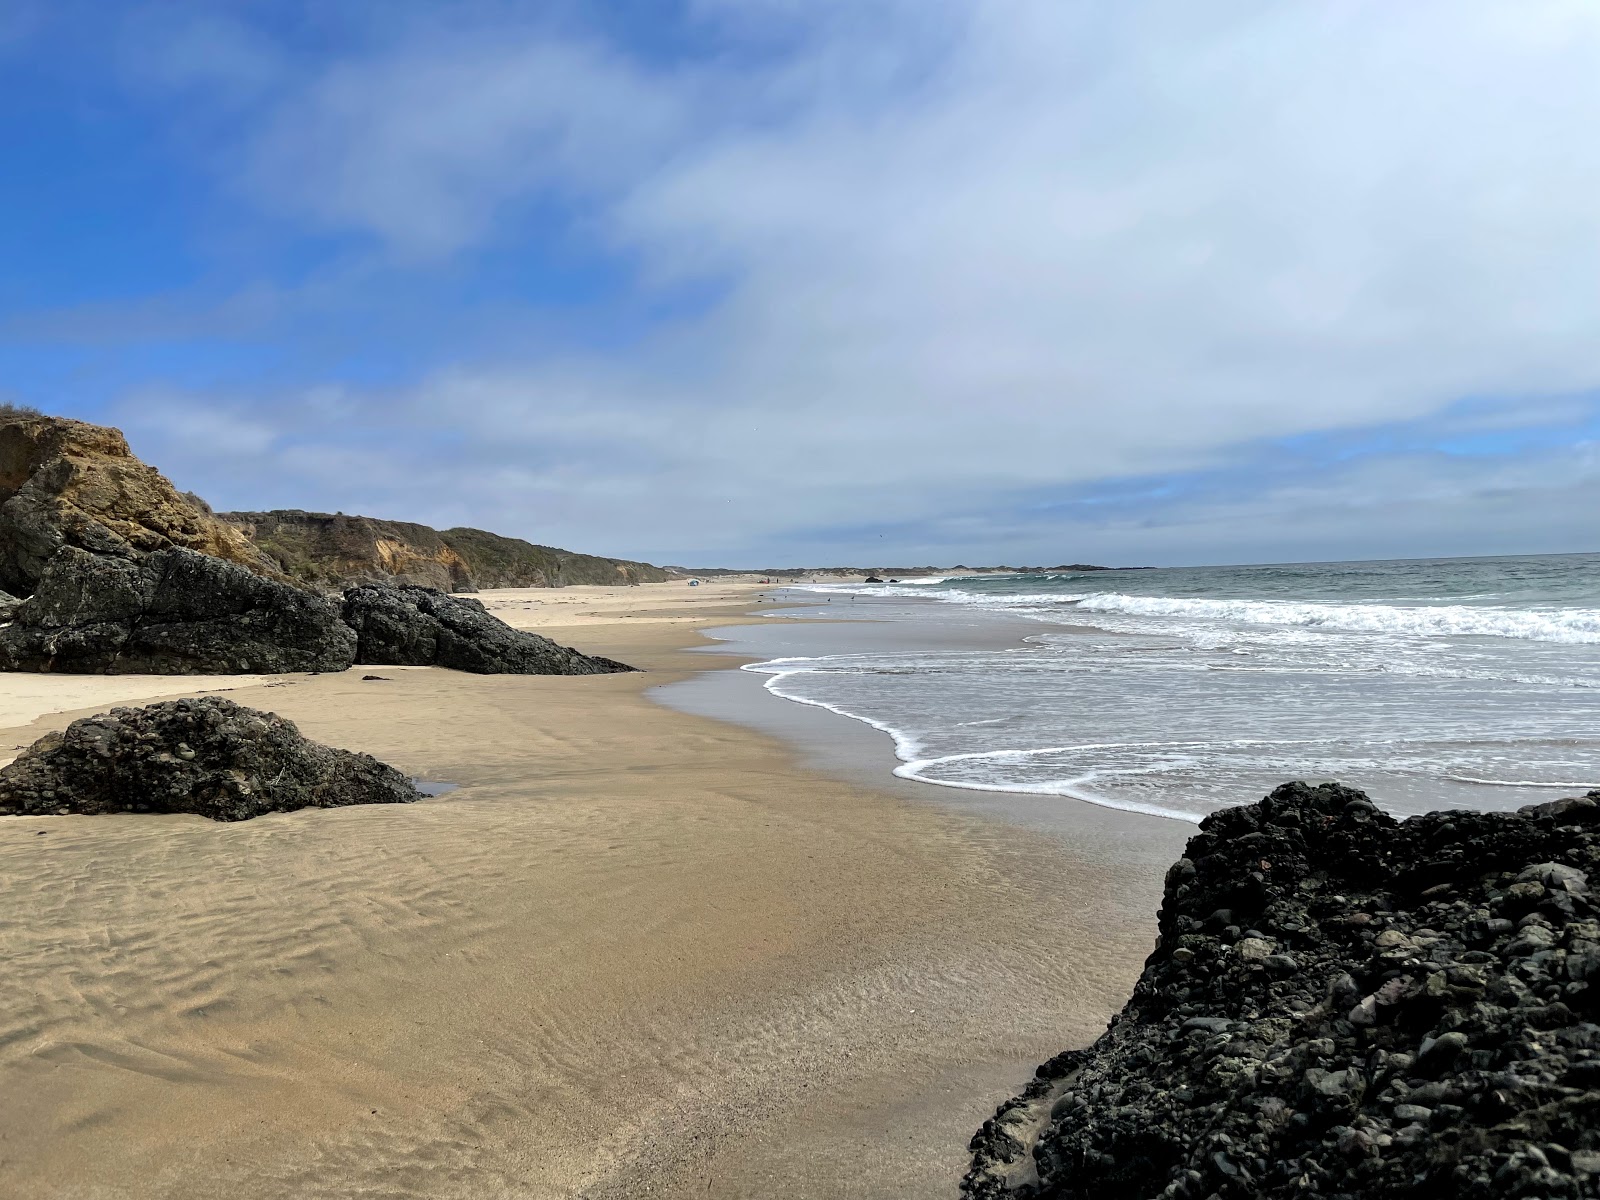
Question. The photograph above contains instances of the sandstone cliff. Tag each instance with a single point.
(334, 549)
(69, 483)
(123, 574)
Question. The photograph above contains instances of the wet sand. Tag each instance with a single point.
(637, 952)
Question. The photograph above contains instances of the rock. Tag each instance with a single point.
(1439, 1035)
(1440, 1051)
(1555, 877)
(421, 627)
(1253, 949)
(1569, 808)
(66, 483)
(208, 756)
(1365, 1013)
(8, 607)
(171, 612)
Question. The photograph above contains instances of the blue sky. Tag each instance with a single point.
(778, 282)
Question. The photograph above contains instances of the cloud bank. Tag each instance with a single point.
(934, 281)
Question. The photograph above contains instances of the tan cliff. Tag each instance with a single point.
(70, 483)
(334, 549)
(67, 483)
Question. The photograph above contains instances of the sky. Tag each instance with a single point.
(808, 282)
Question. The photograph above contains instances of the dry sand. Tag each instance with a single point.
(637, 953)
(654, 603)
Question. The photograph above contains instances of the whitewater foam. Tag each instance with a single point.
(1577, 626)
(1457, 683)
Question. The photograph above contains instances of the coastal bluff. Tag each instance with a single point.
(1340, 1005)
(333, 549)
(66, 483)
(106, 568)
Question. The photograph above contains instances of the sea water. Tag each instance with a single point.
(1438, 683)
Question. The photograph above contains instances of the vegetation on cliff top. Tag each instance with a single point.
(335, 549)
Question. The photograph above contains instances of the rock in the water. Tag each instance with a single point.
(68, 483)
(207, 756)
(172, 612)
(421, 627)
(1427, 1022)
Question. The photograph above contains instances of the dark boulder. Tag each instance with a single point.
(171, 612)
(1340, 1005)
(421, 627)
(208, 756)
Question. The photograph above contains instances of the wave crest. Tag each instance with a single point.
(1568, 625)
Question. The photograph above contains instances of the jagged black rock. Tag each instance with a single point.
(207, 756)
(172, 612)
(1340, 1005)
(423, 627)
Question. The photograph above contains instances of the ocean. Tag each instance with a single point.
(1430, 683)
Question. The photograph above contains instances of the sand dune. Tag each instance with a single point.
(636, 953)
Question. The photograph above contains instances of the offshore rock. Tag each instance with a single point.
(1340, 1005)
(421, 627)
(65, 483)
(172, 612)
(207, 756)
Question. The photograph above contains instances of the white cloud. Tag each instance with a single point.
(1000, 246)
(425, 146)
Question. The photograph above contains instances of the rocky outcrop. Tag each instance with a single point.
(66, 483)
(123, 574)
(172, 612)
(1340, 1005)
(333, 549)
(415, 626)
(207, 756)
(176, 612)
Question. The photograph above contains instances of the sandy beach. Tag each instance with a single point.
(636, 952)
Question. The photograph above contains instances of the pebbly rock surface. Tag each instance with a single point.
(207, 756)
(421, 627)
(171, 612)
(1340, 1005)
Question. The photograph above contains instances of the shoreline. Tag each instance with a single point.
(984, 629)
(636, 952)
(865, 751)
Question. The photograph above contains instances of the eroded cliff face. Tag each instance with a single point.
(335, 550)
(123, 574)
(332, 549)
(69, 483)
